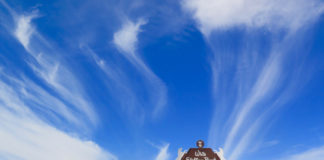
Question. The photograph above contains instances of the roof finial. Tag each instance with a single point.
(200, 143)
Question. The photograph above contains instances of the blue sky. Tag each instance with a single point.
(108, 80)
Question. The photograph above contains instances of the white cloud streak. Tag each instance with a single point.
(158, 90)
(50, 70)
(262, 88)
(163, 153)
(24, 30)
(25, 136)
(34, 114)
(122, 86)
(126, 38)
(316, 153)
(222, 14)
(259, 80)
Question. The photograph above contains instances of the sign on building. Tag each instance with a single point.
(199, 153)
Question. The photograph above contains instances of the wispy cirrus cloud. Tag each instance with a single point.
(261, 83)
(290, 14)
(25, 135)
(157, 89)
(41, 113)
(150, 103)
(316, 153)
(24, 29)
(163, 153)
(126, 38)
(50, 69)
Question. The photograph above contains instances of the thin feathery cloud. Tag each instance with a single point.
(49, 104)
(120, 86)
(123, 88)
(35, 111)
(126, 38)
(151, 102)
(224, 14)
(257, 78)
(25, 136)
(49, 68)
(24, 29)
(316, 153)
(163, 153)
(261, 89)
(158, 90)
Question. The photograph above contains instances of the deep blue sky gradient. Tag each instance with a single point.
(175, 50)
